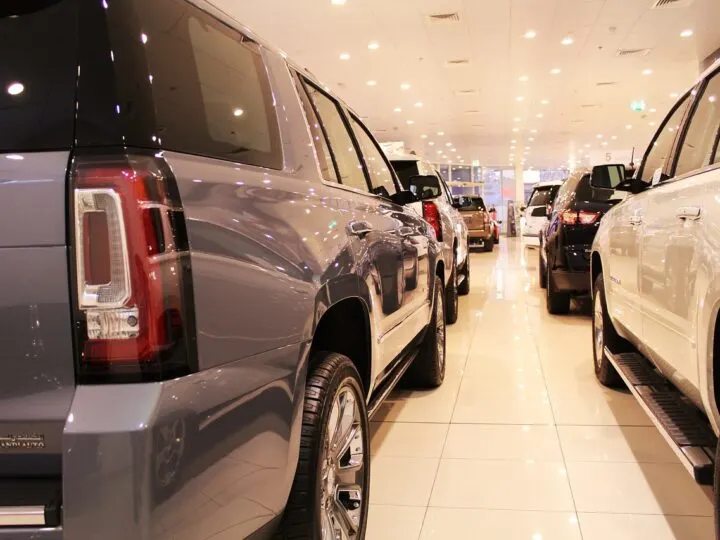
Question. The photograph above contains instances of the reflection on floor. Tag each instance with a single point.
(521, 442)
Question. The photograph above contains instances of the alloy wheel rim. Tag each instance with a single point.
(598, 329)
(343, 469)
(440, 331)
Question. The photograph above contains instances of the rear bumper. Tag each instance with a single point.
(479, 236)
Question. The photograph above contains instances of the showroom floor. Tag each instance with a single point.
(521, 442)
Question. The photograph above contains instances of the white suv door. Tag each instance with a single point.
(677, 229)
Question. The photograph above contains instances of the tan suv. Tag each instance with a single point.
(478, 221)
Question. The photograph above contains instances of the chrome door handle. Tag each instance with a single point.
(359, 228)
(688, 212)
(406, 231)
(635, 220)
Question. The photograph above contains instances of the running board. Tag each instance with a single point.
(390, 382)
(686, 431)
(22, 516)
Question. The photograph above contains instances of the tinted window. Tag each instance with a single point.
(38, 72)
(700, 141)
(378, 168)
(425, 187)
(542, 196)
(471, 204)
(405, 169)
(327, 166)
(584, 192)
(341, 144)
(662, 145)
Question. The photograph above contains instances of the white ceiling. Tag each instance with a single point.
(490, 35)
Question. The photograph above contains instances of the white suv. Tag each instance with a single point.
(437, 207)
(534, 215)
(656, 275)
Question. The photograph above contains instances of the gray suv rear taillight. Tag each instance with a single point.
(132, 275)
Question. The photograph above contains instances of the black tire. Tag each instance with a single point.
(428, 368)
(558, 303)
(451, 296)
(330, 379)
(489, 245)
(464, 287)
(542, 271)
(605, 335)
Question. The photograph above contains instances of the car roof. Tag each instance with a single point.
(548, 183)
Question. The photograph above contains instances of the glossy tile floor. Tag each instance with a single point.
(521, 442)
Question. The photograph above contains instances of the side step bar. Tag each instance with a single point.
(390, 382)
(686, 431)
(22, 516)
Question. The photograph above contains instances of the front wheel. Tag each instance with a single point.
(489, 245)
(428, 368)
(542, 271)
(605, 335)
(330, 493)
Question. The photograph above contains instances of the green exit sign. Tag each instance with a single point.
(638, 105)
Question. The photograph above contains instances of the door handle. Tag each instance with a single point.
(359, 228)
(406, 231)
(635, 220)
(688, 212)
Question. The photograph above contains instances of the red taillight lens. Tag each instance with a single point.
(132, 268)
(432, 216)
(588, 218)
(568, 217)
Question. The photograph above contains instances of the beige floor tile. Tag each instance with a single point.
(395, 522)
(639, 527)
(612, 443)
(508, 485)
(395, 439)
(502, 442)
(646, 488)
(402, 481)
(491, 401)
(457, 524)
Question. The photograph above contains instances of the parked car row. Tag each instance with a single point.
(647, 247)
(212, 278)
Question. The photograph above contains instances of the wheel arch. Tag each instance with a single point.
(595, 269)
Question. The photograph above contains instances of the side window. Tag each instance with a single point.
(700, 142)
(348, 162)
(378, 168)
(211, 91)
(319, 137)
(663, 142)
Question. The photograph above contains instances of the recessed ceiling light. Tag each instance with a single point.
(614, 137)
(527, 148)
(344, 56)
(410, 122)
(674, 95)
(371, 83)
(530, 34)
(448, 144)
(397, 109)
(686, 33)
(238, 112)
(533, 131)
(440, 151)
(712, 99)
(652, 124)
(517, 119)
(587, 146)
(653, 110)
(516, 130)
(544, 102)
(523, 78)
(423, 136)
(431, 143)
(373, 45)
(441, 133)
(539, 115)
(604, 143)
(405, 86)
(567, 40)
(419, 104)
(520, 98)
(647, 71)
(599, 136)
(555, 71)
(513, 141)
(531, 139)
(337, 2)
(453, 149)
(629, 126)
(15, 88)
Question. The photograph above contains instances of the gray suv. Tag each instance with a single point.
(209, 282)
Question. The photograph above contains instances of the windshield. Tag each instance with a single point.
(38, 72)
(542, 196)
(471, 204)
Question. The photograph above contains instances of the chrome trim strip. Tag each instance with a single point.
(14, 516)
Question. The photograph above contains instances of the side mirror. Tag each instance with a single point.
(404, 197)
(425, 186)
(607, 177)
(523, 207)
